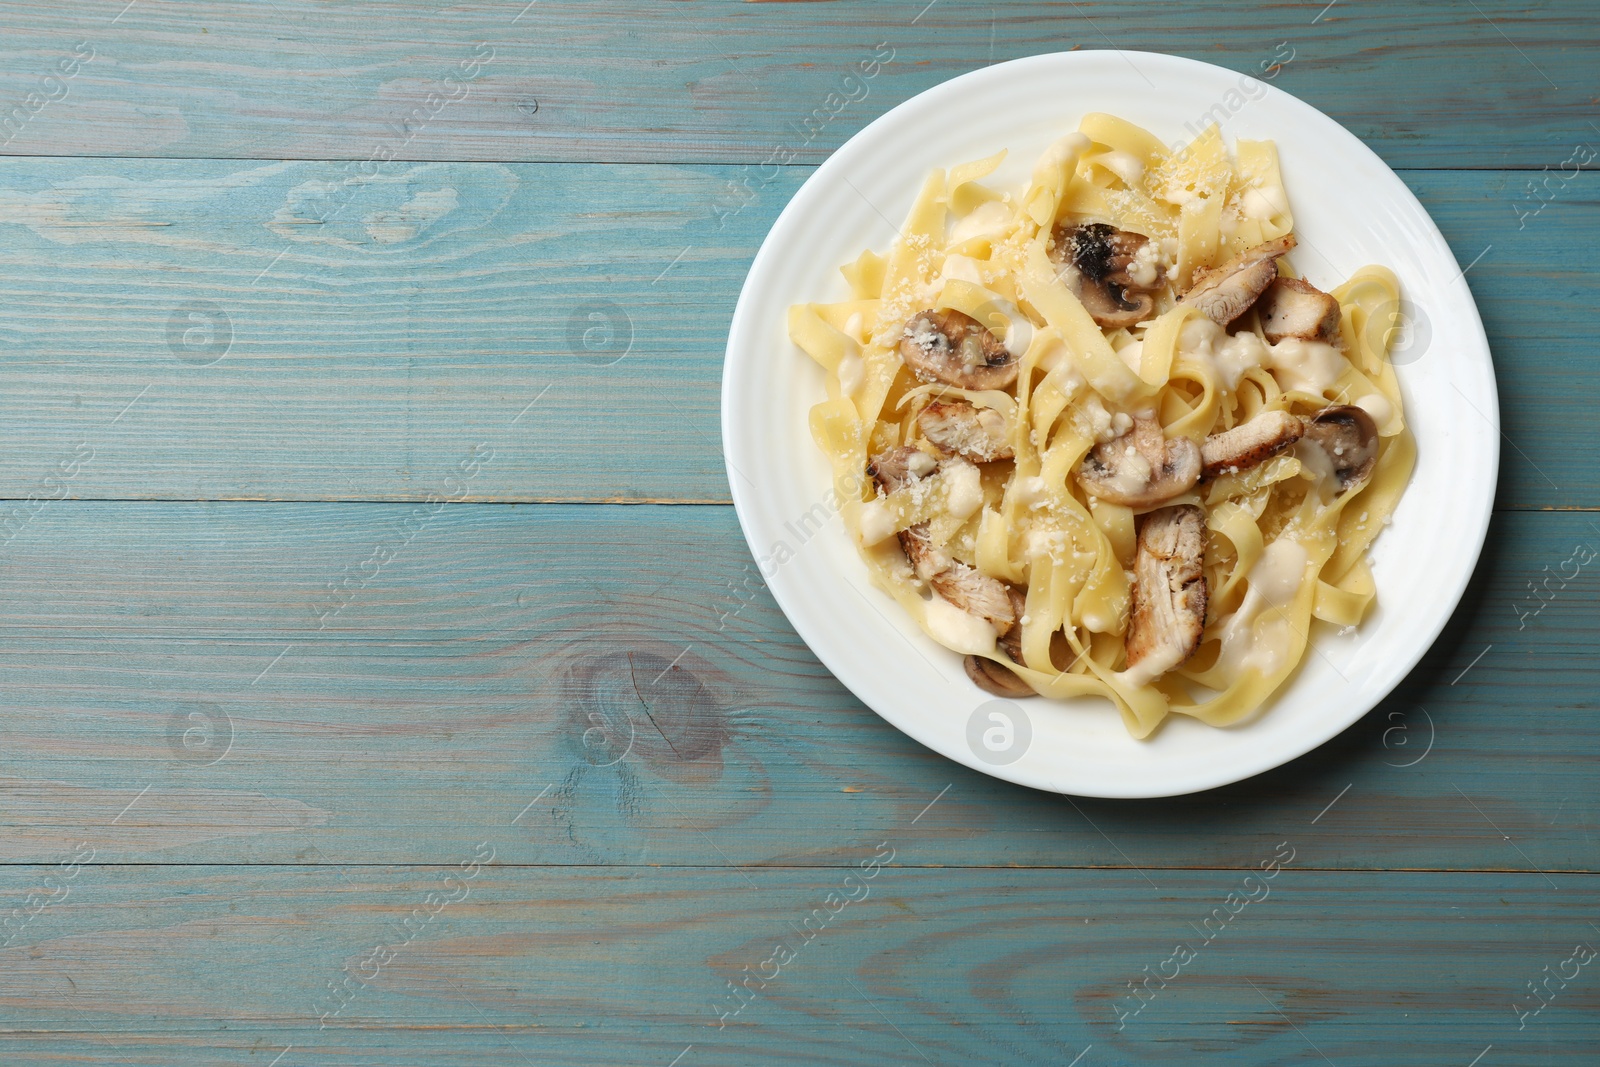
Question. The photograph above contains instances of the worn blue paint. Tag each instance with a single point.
(261, 699)
(365, 356)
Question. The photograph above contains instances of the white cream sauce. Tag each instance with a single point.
(1150, 668)
(955, 629)
(852, 370)
(1100, 421)
(1227, 357)
(1098, 618)
(1132, 473)
(1146, 265)
(1378, 407)
(1045, 542)
(1272, 583)
(1307, 366)
(1263, 203)
(963, 489)
(875, 521)
(1030, 492)
(1019, 331)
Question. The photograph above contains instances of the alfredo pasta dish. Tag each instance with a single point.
(1096, 436)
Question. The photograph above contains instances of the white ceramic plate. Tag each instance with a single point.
(1350, 209)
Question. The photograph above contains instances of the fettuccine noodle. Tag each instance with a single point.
(1025, 397)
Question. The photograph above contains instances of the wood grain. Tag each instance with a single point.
(733, 82)
(255, 729)
(195, 327)
(613, 685)
(180, 965)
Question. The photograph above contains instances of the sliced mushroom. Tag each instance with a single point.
(1250, 443)
(1141, 468)
(1100, 264)
(963, 428)
(1223, 293)
(1169, 592)
(1349, 437)
(994, 677)
(948, 346)
(1111, 312)
(1293, 308)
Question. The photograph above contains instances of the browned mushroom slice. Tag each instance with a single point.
(948, 346)
(963, 428)
(1223, 293)
(1349, 438)
(1141, 468)
(996, 678)
(1100, 265)
(1169, 592)
(895, 469)
(1293, 308)
(1250, 443)
(1111, 312)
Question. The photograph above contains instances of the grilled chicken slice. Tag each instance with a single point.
(1348, 437)
(1293, 308)
(1011, 640)
(899, 467)
(974, 592)
(896, 469)
(967, 588)
(1169, 592)
(1100, 265)
(1141, 468)
(1250, 443)
(964, 429)
(948, 346)
(1224, 293)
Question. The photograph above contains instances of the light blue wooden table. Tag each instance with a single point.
(358, 441)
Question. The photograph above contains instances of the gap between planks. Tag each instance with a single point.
(1112, 868)
(761, 158)
(563, 501)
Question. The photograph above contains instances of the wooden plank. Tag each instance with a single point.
(361, 363)
(174, 965)
(613, 685)
(196, 327)
(734, 82)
